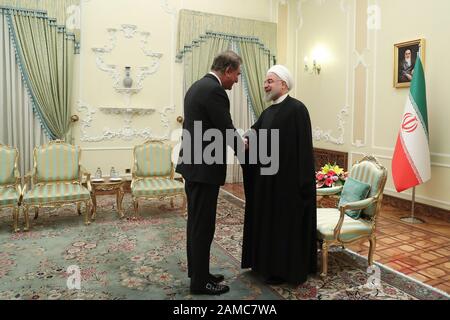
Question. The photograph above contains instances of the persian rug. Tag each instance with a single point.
(144, 257)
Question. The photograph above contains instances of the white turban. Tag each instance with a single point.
(283, 73)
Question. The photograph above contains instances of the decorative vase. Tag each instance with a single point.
(127, 81)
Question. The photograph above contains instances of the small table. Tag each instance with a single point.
(107, 186)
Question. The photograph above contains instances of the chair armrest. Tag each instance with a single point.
(356, 205)
(18, 182)
(135, 179)
(21, 189)
(16, 174)
(329, 191)
(86, 173)
(29, 175)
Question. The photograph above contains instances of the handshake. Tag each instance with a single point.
(246, 143)
(245, 137)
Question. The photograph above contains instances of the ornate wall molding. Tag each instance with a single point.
(168, 9)
(129, 31)
(319, 134)
(389, 158)
(128, 131)
(299, 15)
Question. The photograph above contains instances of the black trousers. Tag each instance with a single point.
(201, 224)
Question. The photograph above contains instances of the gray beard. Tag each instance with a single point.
(268, 96)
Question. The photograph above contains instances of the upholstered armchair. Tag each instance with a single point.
(10, 190)
(355, 219)
(153, 174)
(56, 180)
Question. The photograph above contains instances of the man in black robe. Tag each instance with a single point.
(280, 215)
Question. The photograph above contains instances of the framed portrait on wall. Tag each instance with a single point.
(405, 55)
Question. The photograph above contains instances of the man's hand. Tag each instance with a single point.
(246, 143)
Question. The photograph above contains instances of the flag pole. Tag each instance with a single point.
(412, 219)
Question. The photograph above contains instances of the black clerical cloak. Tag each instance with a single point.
(280, 213)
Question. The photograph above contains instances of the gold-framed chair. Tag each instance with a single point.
(153, 174)
(10, 188)
(334, 225)
(56, 180)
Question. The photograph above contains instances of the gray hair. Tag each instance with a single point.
(226, 59)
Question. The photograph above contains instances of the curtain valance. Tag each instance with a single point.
(194, 27)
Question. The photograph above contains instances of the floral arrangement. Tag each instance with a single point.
(330, 175)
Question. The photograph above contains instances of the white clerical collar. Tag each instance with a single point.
(215, 75)
(280, 99)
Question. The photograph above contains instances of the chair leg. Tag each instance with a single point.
(86, 213)
(324, 259)
(79, 208)
(16, 219)
(27, 218)
(36, 213)
(373, 243)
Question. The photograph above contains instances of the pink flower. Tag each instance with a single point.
(329, 182)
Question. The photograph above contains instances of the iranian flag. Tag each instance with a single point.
(411, 161)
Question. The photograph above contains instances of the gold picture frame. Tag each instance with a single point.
(405, 55)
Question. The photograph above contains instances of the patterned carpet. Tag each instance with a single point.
(144, 258)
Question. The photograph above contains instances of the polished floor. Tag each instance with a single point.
(421, 251)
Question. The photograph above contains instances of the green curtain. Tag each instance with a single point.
(58, 9)
(256, 62)
(45, 53)
(66, 12)
(202, 35)
(193, 25)
(198, 62)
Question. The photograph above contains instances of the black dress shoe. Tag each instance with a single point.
(210, 288)
(274, 281)
(217, 278)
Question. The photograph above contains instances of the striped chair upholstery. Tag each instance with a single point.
(57, 162)
(157, 187)
(153, 173)
(10, 189)
(57, 179)
(56, 192)
(334, 227)
(9, 196)
(8, 157)
(351, 228)
(153, 160)
(369, 172)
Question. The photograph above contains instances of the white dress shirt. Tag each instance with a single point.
(280, 99)
(215, 75)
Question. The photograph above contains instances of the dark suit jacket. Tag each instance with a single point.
(205, 101)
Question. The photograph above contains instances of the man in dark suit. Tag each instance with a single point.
(206, 107)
